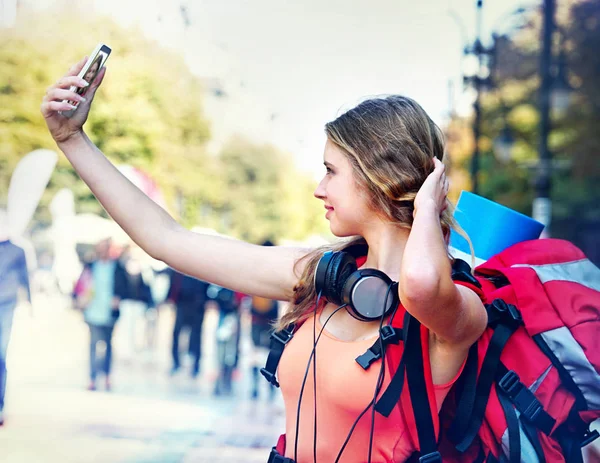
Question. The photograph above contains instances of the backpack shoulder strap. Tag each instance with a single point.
(279, 340)
(414, 367)
(421, 393)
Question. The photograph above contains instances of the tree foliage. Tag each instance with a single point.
(148, 113)
(513, 102)
(261, 186)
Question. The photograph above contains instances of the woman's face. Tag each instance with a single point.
(346, 203)
(89, 75)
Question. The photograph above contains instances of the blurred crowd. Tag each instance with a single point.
(120, 285)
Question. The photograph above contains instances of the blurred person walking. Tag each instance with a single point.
(136, 301)
(98, 292)
(13, 276)
(263, 314)
(159, 281)
(188, 294)
(227, 337)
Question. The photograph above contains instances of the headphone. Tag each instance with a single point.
(364, 292)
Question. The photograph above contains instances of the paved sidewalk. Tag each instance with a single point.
(147, 417)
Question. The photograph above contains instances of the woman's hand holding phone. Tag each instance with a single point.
(63, 128)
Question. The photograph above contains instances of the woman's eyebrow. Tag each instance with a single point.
(328, 164)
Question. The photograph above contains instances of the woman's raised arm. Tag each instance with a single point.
(252, 269)
(454, 313)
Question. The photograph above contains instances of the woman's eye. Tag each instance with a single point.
(328, 170)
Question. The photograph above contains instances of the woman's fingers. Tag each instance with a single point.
(439, 169)
(71, 77)
(68, 82)
(62, 94)
(49, 107)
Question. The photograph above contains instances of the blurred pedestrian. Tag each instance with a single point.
(188, 294)
(263, 314)
(159, 281)
(13, 275)
(98, 292)
(227, 337)
(136, 300)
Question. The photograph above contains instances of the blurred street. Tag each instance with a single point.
(148, 416)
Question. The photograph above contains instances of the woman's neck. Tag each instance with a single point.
(386, 248)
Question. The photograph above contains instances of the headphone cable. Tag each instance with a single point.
(378, 385)
(381, 372)
(306, 376)
(315, 384)
(380, 381)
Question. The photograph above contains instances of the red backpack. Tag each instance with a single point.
(531, 384)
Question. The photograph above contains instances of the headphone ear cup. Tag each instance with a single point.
(341, 267)
(329, 290)
(370, 293)
(321, 272)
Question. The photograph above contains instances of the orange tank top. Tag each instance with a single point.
(343, 391)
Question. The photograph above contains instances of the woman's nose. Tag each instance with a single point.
(319, 193)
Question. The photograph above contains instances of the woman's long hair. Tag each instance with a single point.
(390, 143)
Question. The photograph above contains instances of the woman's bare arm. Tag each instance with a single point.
(455, 314)
(252, 269)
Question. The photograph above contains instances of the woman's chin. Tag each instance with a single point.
(339, 231)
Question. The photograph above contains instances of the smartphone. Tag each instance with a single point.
(90, 70)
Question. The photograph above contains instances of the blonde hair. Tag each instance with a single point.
(390, 143)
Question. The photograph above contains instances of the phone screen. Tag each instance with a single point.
(89, 72)
(93, 69)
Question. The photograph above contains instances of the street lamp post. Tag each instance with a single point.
(542, 205)
(476, 135)
(478, 81)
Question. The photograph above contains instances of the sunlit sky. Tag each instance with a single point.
(289, 67)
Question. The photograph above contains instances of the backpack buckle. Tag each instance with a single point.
(365, 360)
(389, 335)
(510, 384)
(507, 311)
(270, 377)
(533, 410)
(589, 437)
(283, 336)
(433, 457)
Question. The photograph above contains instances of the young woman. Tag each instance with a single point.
(384, 186)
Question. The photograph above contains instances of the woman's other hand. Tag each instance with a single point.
(434, 189)
(63, 128)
